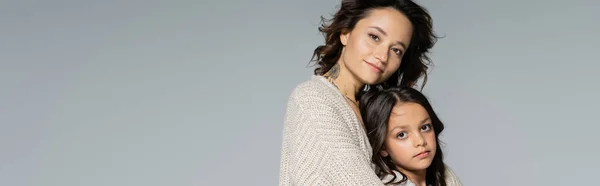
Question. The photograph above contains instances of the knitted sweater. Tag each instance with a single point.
(324, 143)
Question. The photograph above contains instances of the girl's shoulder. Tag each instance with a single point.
(451, 178)
(398, 177)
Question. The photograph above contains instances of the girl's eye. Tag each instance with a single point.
(401, 135)
(374, 37)
(397, 51)
(426, 127)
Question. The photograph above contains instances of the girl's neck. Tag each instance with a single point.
(417, 177)
(345, 81)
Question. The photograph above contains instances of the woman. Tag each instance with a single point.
(367, 43)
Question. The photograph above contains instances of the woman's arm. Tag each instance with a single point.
(321, 148)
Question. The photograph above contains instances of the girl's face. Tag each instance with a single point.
(374, 48)
(410, 139)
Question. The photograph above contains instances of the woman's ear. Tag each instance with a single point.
(344, 37)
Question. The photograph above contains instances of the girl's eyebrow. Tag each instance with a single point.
(404, 126)
(426, 119)
(397, 127)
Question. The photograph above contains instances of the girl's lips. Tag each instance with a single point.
(423, 154)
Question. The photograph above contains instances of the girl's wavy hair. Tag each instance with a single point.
(415, 61)
(375, 107)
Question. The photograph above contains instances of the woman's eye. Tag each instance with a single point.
(401, 135)
(374, 37)
(426, 127)
(397, 51)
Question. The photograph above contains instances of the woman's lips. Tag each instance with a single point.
(374, 67)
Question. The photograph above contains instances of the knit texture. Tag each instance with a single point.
(323, 141)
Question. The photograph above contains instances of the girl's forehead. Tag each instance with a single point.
(407, 114)
(404, 109)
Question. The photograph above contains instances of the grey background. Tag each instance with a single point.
(193, 92)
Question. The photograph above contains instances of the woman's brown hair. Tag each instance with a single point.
(415, 61)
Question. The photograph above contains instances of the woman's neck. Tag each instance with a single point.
(345, 81)
(417, 177)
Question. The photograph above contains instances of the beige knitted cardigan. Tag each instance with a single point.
(323, 141)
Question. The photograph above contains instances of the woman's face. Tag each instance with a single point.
(373, 50)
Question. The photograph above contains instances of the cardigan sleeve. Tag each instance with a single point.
(321, 148)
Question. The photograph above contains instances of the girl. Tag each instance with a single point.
(383, 42)
(403, 131)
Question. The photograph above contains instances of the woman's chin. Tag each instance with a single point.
(371, 79)
(370, 82)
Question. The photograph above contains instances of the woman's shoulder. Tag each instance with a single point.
(317, 88)
(317, 97)
(314, 84)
